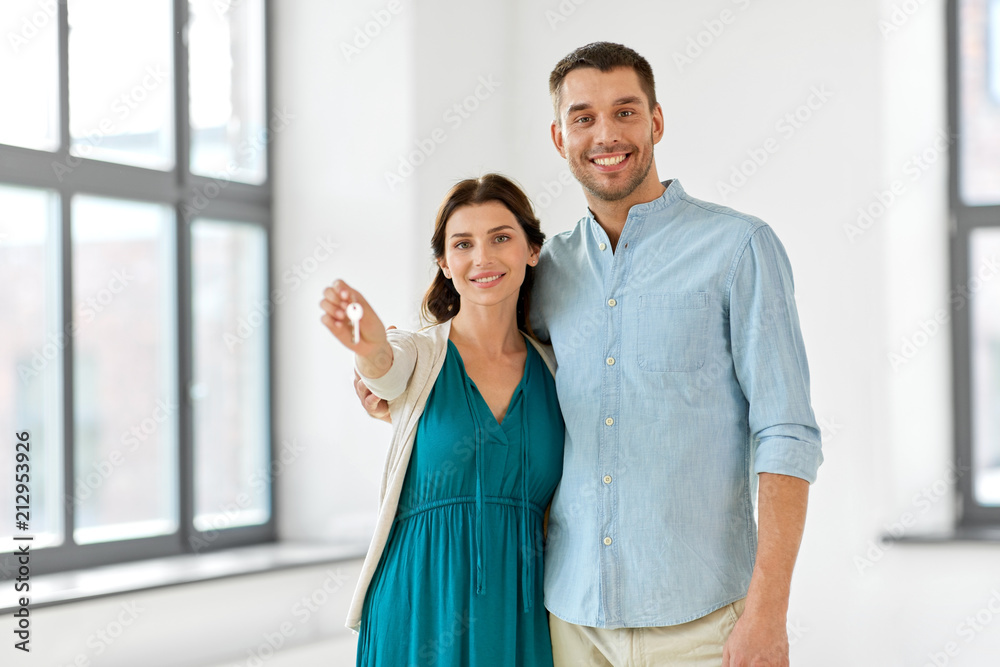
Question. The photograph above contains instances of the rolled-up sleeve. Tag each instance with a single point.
(770, 360)
(404, 359)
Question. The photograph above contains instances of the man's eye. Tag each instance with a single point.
(626, 113)
(582, 119)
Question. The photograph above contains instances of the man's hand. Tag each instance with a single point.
(758, 640)
(375, 407)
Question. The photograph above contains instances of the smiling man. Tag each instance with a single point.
(684, 386)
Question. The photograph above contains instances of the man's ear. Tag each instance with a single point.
(657, 123)
(557, 139)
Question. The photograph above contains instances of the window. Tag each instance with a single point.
(974, 101)
(135, 212)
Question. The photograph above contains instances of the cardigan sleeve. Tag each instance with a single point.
(546, 352)
(404, 360)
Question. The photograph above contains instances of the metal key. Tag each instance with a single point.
(354, 312)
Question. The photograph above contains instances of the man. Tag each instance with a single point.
(683, 382)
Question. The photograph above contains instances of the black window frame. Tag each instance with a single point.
(964, 219)
(184, 192)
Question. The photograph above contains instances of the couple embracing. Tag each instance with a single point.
(626, 454)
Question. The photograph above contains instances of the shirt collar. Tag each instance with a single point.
(673, 192)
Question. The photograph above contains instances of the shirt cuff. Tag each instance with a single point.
(788, 456)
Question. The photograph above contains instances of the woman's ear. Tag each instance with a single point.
(444, 268)
(533, 256)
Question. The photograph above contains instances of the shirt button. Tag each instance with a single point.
(603, 246)
(607, 479)
(607, 541)
(612, 303)
(609, 421)
(611, 361)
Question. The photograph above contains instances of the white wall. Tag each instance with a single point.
(887, 431)
(354, 113)
(288, 618)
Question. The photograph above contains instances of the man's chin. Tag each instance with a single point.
(607, 192)
(611, 194)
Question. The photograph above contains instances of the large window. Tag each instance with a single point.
(135, 213)
(974, 101)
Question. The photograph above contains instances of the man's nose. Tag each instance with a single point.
(605, 131)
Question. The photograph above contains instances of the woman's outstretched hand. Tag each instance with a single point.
(372, 349)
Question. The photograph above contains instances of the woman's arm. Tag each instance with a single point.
(373, 352)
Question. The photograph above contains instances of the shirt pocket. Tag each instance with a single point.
(672, 331)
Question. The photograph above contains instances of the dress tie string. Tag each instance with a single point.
(479, 437)
(528, 542)
(527, 536)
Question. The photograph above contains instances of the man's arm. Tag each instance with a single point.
(760, 637)
(770, 362)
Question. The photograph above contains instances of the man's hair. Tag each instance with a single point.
(603, 56)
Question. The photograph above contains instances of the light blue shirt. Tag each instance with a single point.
(681, 374)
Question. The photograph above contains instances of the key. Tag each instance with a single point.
(354, 312)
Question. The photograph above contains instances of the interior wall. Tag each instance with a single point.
(282, 619)
(347, 73)
(839, 103)
(846, 104)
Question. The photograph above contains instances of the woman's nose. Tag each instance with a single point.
(483, 255)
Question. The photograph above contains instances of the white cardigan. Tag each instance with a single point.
(417, 360)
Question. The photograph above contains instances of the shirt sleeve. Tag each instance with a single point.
(770, 360)
(536, 313)
(404, 359)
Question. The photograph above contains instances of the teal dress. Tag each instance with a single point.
(460, 580)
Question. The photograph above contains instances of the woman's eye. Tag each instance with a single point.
(502, 238)
(462, 245)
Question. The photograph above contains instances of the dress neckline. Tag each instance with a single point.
(517, 390)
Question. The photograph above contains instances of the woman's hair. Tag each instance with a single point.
(442, 302)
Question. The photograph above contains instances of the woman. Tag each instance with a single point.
(454, 572)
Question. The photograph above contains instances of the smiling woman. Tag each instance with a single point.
(505, 202)
(454, 572)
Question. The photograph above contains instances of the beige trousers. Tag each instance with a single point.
(695, 644)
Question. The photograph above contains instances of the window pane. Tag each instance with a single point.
(231, 427)
(979, 101)
(226, 69)
(29, 62)
(121, 81)
(31, 345)
(126, 482)
(984, 285)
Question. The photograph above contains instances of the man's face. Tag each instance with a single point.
(607, 131)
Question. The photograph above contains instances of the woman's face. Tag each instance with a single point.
(486, 253)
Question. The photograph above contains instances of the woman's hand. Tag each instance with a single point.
(373, 350)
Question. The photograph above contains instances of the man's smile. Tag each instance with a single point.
(610, 161)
